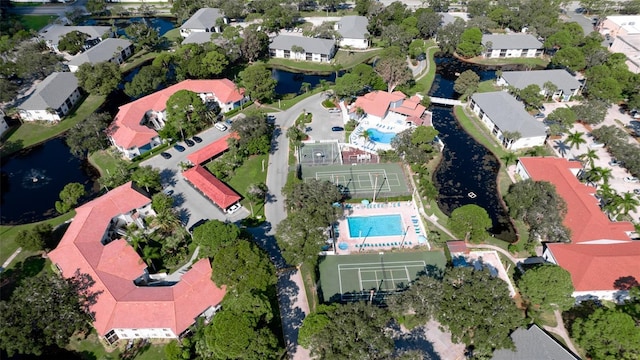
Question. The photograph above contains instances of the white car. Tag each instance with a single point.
(596, 145)
(631, 179)
(235, 207)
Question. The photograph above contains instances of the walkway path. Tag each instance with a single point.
(504, 252)
(426, 70)
(177, 275)
(10, 259)
(561, 331)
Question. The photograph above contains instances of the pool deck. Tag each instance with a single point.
(410, 220)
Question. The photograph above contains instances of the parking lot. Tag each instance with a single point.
(190, 204)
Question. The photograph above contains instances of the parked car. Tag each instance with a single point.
(189, 142)
(539, 115)
(542, 108)
(167, 191)
(220, 126)
(636, 191)
(421, 57)
(631, 179)
(165, 155)
(596, 145)
(337, 128)
(235, 207)
(179, 147)
(615, 162)
(197, 139)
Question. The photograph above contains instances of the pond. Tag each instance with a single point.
(291, 83)
(33, 178)
(468, 171)
(162, 24)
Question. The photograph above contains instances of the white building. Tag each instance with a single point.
(501, 113)
(52, 99)
(203, 20)
(353, 30)
(567, 85)
(53, 33)
(3, 123)
(112, 50)
(511, 46)
(629, 45)
(310, 49)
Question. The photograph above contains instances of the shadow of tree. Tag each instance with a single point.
(13, 277)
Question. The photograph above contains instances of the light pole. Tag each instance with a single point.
(375, 188)
(404, 236)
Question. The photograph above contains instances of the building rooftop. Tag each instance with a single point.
(585, 219)
(310, 45)
(353, 27)
(122, 304)
(508, 113)
(215, 148)
(377, 103)
(559, 77)
(596, 267)
(204, 18)
(217, 191)
(630, 23)
(534, 344)
(102, 52)
(201, 38)
(53, 33)
(511, 41)
(127, 130)
(51, 92)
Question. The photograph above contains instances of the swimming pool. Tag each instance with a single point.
(378, 225)
(379, 136)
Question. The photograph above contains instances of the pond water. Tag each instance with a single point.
(291, 83)
(33, 178)
(161, 24)
(468, 172)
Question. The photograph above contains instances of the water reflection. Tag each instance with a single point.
(468, 171)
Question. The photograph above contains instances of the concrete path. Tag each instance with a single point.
(561, 331)
(177, 275)
(10, 259)
(513, 259)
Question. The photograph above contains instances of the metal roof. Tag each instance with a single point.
(508, 113)
(310, 45)
(559, 77)
(102, 52)
(204, 18)
(353, 27)
(512, 41)
(51, 92)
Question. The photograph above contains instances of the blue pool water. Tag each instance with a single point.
(378, 225)
(379, 136)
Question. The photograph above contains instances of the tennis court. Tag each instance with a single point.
(320, 153)
(362, 180)
(359, 277)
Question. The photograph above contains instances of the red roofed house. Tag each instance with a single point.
(390, 108)
(214, 189)
(601, 251)
(126, 306)
(134, 129)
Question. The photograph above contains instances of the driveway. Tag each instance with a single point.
(571, 15)
(191, 205)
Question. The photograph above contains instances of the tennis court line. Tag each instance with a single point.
(357, 265)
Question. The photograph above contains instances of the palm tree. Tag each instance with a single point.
(626, 203)
(509, 158)
(255, 193)
(366, 136)
(590, 156)
(549, 89)
(305, 87)
(605, 174)
(575, 139)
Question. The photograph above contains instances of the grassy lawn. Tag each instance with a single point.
(309, 280)
(139, 58)
(36, 22)
(487, 86)
(286, 104)
(29, 134)
(173, 35)
(535, 62)
(423, 84)
(250, 173)
(304, 66)
(8, 235)
(103, 160)
(92, 347)
(478, 132)
(348, 59)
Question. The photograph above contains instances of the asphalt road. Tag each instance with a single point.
(48, 9)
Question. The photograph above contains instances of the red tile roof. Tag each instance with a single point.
(126, 130)
(214, 189)
(597, 266)
(219, 146)
(114, 267)
(457, 246)
(584, 217)
(377, 103)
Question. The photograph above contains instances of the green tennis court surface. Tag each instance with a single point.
(362, 180)
(358, 277)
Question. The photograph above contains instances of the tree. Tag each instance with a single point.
(428, 22)
(213, 235)
(627, 203)
(34, 61)
(591, 111)
(449, 35)
(95, 6)
(590, 157)
(396, 35)
(439, 5)
(330, 333)
(509, 158)
(185, 115)
(394, 71)
(538, 204)
(531, 96)
(569, 57)
(562, 119)
(414, 145)
(149, 79)
(608, 334)
(254, 133)
(299, 240)
(258, 83)
(467, 83)
(89, 135)
(575, 139)
(478, 311)
(255, 44)
(45, 311)
(215, 62)
(148, 177)
(8, 90)
(421, 299)
(470, 222)
(233, 9)
(73, 42)
(36, 238)
(100, 79)
(257, 192)
(243, 267)
(142, 35)
(547, 286)
(606, 89)
(470, 44)
(549, 89)
(69, 197)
